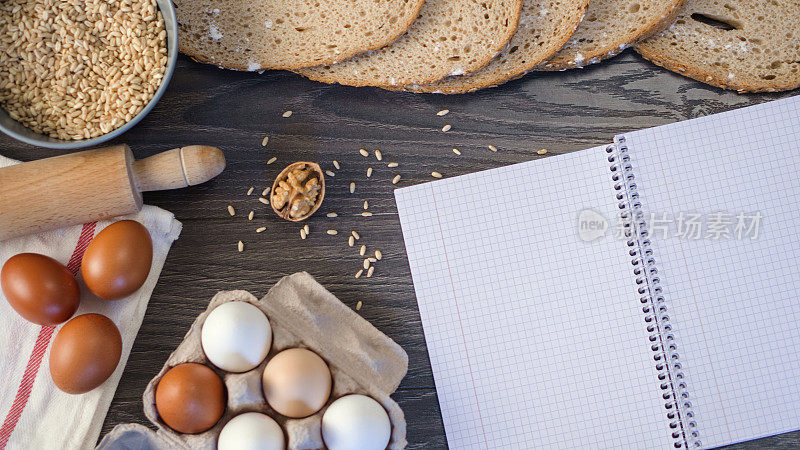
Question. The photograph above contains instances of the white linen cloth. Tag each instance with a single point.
(34, 413)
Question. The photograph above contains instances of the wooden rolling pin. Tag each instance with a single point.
(94, 185)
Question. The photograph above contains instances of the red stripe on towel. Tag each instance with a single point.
(39, 349)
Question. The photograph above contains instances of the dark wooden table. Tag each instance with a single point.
(560, 112)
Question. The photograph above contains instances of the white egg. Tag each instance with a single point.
(236, 336)
(251, 431)
(356, 422)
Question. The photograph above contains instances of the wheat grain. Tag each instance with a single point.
(287, 114)
(260, 229)
(443, 112)
(336, 164)
(447, 128)
(231, 211)
(272, 160)
(396, 179)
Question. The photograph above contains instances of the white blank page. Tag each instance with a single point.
(536, 338)
(734, 302)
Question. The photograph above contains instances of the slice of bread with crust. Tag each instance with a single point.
(611, 26)
(450, 37)
(288, 34)
(746, 45)
(544, 27)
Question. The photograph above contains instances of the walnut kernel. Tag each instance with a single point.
(298, 191)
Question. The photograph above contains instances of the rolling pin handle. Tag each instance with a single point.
(177, 168)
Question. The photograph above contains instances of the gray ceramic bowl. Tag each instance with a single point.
(16, 130)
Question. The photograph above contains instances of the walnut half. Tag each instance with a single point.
(298, 191)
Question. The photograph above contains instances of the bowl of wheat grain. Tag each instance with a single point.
(75, 73)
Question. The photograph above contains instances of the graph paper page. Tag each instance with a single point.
(536, 338)
(733, 300)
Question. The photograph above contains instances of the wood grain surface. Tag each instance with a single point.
(560, 112)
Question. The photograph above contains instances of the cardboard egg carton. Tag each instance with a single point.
(302, 313)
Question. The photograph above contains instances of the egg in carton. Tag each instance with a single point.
(302, 313)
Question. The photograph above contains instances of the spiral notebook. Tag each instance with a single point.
(644, 294)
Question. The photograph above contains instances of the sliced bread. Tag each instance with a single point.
(450, 37)
(544, 27)
(746, 45)
(611, 26)
(288, 34)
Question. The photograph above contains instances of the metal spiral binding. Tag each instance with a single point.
(662, 340)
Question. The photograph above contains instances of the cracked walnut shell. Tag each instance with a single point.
(298, 191)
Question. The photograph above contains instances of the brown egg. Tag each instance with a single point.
(296, 382)
(190, 398)
(85, 353)
(39, 288)
(117, 261)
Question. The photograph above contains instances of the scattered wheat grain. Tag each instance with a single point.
(250, 191)
(332, 214)
(493, 148)
(263, 200)
(363, 152)
(366, 214)
(330, 173)
(352, 187)
(396, 179)
(436, 175)
(231, 211)
(359, 304)
(332, 232)
(260, 229)
(336, 164)
(392, 164)
(240, 246)
(378, 155)
(443, 112)
(447, 128)
(378, 255)
(370, 271)
(272, 160)
(366, 204)
(287, 114)
(264, 141)
(356, 235)
(457, 151)
(363, 250)
(369, 172)
(358, 274)
(251, 215)
(351, 241)
(542, 151)
(366, 263)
